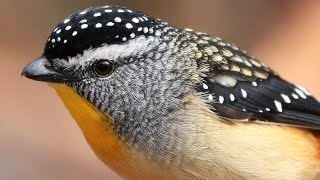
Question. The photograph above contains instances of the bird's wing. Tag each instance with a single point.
(239, 87)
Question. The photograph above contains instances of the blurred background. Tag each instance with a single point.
(40, 140)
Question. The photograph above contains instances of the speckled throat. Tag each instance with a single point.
(147, 102)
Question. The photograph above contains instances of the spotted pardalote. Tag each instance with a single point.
(156, 101)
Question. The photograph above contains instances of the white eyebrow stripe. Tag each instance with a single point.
(134, 46)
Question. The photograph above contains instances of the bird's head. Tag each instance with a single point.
(128, 65)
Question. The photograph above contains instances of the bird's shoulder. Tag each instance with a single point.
(238, 86)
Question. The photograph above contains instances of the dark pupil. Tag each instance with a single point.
(103, 68)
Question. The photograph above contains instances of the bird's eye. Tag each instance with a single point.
(103, 67)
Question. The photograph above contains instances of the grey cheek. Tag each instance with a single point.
(142, 102)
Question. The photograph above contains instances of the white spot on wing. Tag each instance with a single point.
(300, 93)
(247, 63)
(295, 96)
(205, 86)
(286, 98)
(254, 83)
(304, 90)
(221, 99)
(232, 98)
(278, 105)
(244, 93)
(210, 97)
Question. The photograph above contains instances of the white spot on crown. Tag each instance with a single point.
(97, 14)
(158, 33)
(110, 24)
(98, 25)
(68, 28)
(84, 26)
(117, 19)
(132, 35)
(66, 21)
(83, 12)
(145, 29)
(83, 21)
(135, 20)
(74, 33)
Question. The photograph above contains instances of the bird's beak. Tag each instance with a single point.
(41, 70)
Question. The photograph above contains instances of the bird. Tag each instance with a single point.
(155, 101)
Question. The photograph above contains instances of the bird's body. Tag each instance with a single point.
(211, 148)
(157, 102)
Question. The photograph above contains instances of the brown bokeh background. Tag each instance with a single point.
(39, 139)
